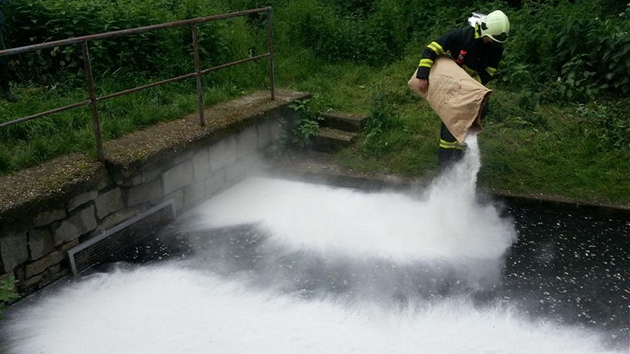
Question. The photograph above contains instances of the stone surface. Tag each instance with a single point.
(223, 154)
(177, 177)
(178, 199)
(108, 202)
(47, 217)
(201, 164)
(40, 242)
(44, 263)
(118, 217)
(343, 121)
(81, 199)
(215, 182)
(48, 186)
(194, 193)
(79, 223)
(13, 249)
(146, 176)
(131, 153)
(246, 142)
(144, 193)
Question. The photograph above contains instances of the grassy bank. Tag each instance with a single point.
(557, 126)
(543, 148)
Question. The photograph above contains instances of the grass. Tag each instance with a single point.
(526, 146)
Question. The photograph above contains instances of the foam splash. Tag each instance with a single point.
(173, 309)
(450, 224)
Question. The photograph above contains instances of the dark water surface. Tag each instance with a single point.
(571, 269)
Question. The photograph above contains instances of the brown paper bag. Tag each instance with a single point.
(455, 96)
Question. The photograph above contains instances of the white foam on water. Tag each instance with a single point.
(171, 309)
(445, 222)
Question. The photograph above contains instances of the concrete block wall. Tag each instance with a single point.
(34, 251)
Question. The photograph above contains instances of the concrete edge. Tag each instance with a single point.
(53, 181)
(372, 182)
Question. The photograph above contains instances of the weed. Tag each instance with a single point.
(305, 127)
(8, 292)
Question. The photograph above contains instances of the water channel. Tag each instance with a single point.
(280, 266)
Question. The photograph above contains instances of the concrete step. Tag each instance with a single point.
(351, 122)
(328, 139)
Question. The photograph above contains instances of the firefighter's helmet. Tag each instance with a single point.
(496, 26)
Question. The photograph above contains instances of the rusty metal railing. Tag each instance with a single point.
(198, 73)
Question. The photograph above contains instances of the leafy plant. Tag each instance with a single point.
(306, 126)
(8, 292)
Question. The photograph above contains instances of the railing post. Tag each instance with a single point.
(202, 119)
(92, 92)
(270, 49)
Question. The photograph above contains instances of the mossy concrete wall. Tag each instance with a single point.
(51, 208)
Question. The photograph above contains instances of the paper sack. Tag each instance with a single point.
(455, 96)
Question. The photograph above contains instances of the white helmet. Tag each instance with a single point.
(496, 26)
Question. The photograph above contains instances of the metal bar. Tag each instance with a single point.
(178, 78)
(92, 92)
(170, 203)
(119, 33)
(202, 119)
(270, 46)
(227, 65)
(197, 74)
(144, 87)
(136, 89)
(41, 114)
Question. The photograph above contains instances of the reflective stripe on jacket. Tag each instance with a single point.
(451, 145)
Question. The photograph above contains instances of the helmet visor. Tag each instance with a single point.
(501, 38)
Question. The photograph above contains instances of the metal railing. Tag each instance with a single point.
(198, 73)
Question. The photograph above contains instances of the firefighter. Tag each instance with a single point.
(478, 50)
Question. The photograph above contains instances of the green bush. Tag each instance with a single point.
(374, 33)
(167, 52)
(579, 49)
(594, 54)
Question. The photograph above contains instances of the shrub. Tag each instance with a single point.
(578, 49)
(166, 51)
(594, 55)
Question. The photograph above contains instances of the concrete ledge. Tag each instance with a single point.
(316, 167)
(55, 182)
(129, 155)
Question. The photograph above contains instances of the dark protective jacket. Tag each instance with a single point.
(466, 47)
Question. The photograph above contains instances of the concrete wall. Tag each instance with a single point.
(33, 246)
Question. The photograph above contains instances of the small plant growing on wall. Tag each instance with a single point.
(8, 293)
(302, 130)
